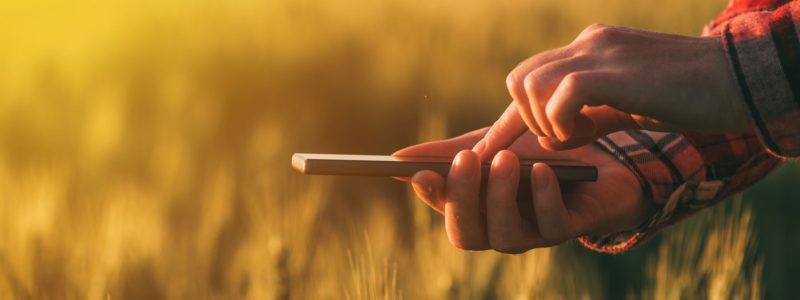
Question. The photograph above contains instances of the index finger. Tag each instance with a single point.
(502, 134)
(445, 148)
(442, 148)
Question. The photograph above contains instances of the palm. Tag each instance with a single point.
(615, 185)
(604, 206)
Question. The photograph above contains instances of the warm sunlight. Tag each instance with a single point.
(145, 145)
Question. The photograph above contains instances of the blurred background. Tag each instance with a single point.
(145, 154)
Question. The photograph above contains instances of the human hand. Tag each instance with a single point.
(613, 78)
(512, 217)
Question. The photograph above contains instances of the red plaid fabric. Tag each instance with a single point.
(683, 173)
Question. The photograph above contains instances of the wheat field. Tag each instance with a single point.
(145, 149)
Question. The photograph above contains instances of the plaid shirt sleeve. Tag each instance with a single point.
(764, 54)
(683, 173)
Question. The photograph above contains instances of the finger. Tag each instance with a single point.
(528, 147)
(591, 124)
(465, 221)
(444, 148)
(428, 185)
(542, 82)
(516, 85)
(532, 86)
(507, 231)
(502, 134)
(516, 88)
(584, 132)
(552, 216)
(575, 91)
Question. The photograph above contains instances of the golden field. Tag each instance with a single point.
(145, 152)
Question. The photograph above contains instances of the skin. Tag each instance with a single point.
(510, 217)
(613, 78)
(608, 79)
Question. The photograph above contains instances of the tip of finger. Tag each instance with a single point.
(506, 156)
(552, 144)
(540, 166)
(547, 129)
(540, 169)
(541, 175)
(402, 152)
(466, 155)
(425, 177)
(505, 164)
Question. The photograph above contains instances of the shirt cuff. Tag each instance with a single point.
(670, 171)
(687, 199)
(762, 48)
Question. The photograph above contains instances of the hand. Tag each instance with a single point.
(613, 78)
(556, 212)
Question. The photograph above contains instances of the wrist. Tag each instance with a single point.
(663, 164)
(630, 192)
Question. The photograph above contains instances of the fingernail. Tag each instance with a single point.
(479, 147)
(561, 135)
(460, 166)
(457, 164)
(541, 180)
(500, 173)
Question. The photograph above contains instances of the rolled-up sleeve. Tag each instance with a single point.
(763, 48)
(682, 174)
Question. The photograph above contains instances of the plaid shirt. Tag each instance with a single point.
(685, 172)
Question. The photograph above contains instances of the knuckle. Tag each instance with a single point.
(494, 133)
(532, 82)
(595, 27)
(597, 33)
(573, 81)
(601, 35)
(491, 133)
(552, 110)
(571, 89)
(582, 55)
(513, 81)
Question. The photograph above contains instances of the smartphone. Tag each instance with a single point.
(406, 166)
